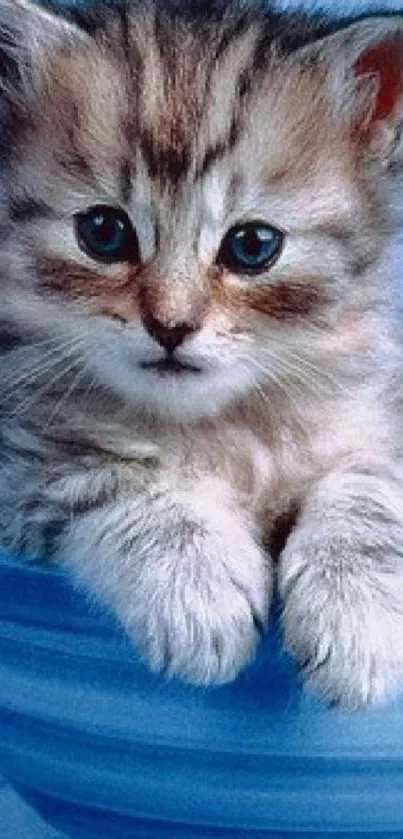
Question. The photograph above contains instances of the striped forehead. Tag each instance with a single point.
(187, 91)
(151, 107)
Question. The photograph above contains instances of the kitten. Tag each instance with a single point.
(198, 338)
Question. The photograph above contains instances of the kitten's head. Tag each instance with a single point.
(194, 204)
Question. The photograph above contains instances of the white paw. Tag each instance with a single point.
(184, 576)
(343, 618)
(200, 617)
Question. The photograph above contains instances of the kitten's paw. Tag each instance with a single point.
(343, 619)
(201, 618)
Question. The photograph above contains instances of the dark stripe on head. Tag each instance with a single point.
(124, 27)
(235, 27)
(27, 209)
(165, 163)
(220, 150)
(134, 73)
(251, 75)
(164, 34)
(77, 165)
(126, 186)
(211, 156)
(70, 155)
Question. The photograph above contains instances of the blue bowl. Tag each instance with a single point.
(100, 747)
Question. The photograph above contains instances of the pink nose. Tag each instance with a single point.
(169, 337)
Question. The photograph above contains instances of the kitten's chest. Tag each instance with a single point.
(267, 471)
(265, 475)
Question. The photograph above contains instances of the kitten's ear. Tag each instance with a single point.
(28, 34)
(364, 70)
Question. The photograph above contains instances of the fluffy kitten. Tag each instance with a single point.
(199, 342)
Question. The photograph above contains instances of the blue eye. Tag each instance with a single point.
(250, 248)
(106, 234)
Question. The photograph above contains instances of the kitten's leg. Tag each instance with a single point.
(341, 580)
(183, 573)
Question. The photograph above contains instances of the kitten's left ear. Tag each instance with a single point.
(364, 70)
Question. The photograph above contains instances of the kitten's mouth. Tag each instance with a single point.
(170, 367)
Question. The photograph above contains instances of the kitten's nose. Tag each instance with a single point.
(169, 337)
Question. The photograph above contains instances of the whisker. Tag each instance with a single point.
(49, 360)
(258, 388)
(64, 399)
(93, 386)
(30, 400)
(295, 372)
(283, 380)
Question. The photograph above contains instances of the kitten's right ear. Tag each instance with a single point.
(28, 34)
(363, 67)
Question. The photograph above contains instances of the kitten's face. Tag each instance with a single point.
(195, 235)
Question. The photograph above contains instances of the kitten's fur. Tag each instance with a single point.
(163, 493)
